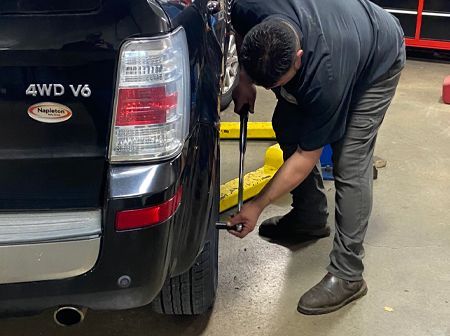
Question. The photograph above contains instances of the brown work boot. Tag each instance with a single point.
(288, 228)
(330, 294)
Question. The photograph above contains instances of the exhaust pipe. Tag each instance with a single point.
(69, 316)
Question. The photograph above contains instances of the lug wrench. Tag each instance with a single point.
(242, 148)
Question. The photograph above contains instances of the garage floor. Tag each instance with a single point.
(407, 246)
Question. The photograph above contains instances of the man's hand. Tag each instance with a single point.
(248, 217)
(244, 93)
(288, 177)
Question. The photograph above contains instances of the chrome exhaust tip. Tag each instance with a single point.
(69, 316)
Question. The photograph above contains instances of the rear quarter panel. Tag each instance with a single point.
(205, 35)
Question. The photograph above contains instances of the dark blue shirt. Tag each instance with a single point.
(347, 44)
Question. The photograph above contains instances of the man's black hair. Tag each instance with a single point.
(268, 51)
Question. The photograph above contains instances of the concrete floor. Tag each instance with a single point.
(407, 246)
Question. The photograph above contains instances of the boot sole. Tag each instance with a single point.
(319, 311)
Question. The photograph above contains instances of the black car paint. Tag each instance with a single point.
(68, 49)
(148, 256)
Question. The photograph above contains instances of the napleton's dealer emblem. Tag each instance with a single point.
(48, 112)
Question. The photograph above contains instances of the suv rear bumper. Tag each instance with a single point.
(141, 255)
(100, 288)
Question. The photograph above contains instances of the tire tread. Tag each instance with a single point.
(193, 292)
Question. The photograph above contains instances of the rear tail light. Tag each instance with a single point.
(134, 219)
(151, 109)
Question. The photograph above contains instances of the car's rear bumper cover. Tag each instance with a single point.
(142, 255)
(100, 288)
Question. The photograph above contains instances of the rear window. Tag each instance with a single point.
(47, 6)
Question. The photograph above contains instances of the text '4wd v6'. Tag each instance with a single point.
(57, 90)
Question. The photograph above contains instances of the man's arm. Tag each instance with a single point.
(293, 172)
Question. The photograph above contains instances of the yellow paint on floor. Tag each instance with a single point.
(255, 130)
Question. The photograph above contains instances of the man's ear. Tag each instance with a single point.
(298, 59)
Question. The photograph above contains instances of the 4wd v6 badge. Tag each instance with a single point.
(57, 90)
(49, 112)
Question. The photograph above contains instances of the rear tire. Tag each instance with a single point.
(193, 292)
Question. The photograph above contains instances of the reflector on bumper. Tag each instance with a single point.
(139, 218)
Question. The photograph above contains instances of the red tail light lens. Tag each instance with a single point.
(144, 106)
(134, 219)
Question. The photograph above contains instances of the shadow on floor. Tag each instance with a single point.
(136, 322)
(293, 245)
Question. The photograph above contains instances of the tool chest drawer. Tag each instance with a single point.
(436, 20)
(408, 22)
(442, 6)
(399, 4)
(405, 11)
(426, 23)
(433, 27)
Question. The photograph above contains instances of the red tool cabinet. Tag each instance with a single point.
(426, 23)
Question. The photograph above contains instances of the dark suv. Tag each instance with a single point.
(109, 154)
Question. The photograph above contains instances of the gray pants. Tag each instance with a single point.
(353, 174)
